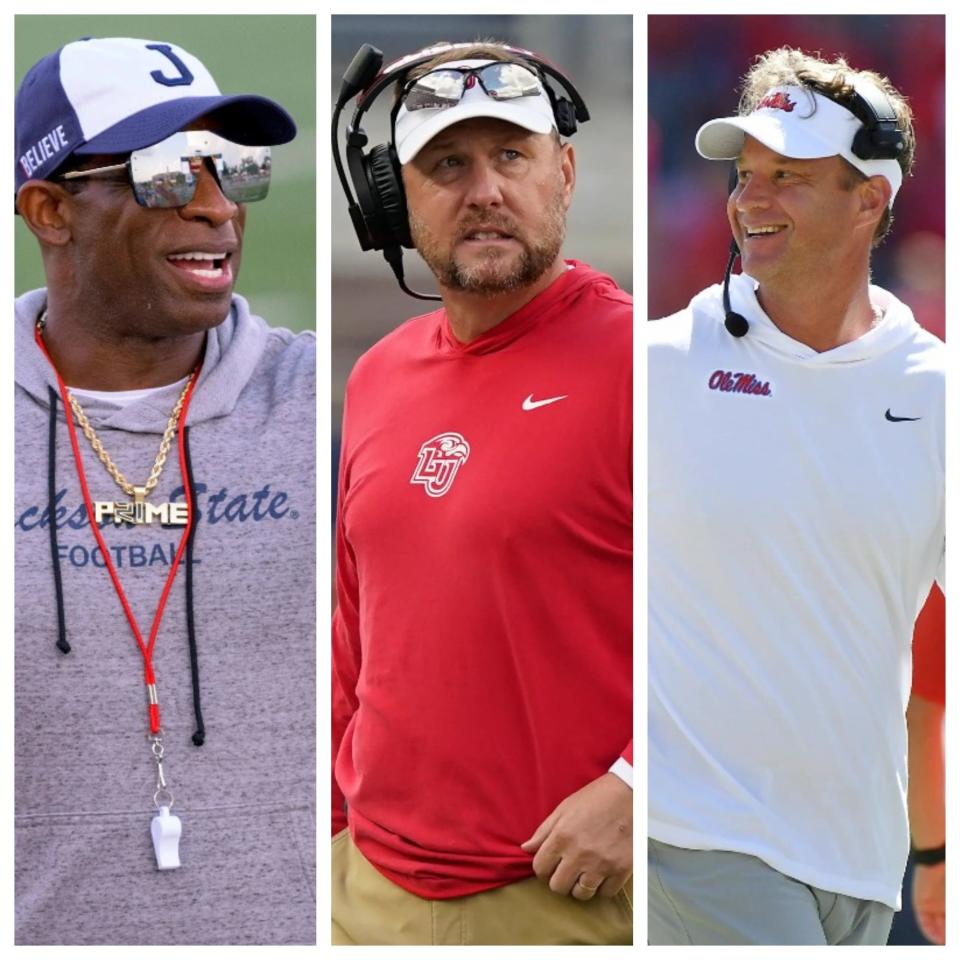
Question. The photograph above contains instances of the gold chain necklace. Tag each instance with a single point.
(139, 511)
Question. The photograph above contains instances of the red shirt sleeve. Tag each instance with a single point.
(929, 654)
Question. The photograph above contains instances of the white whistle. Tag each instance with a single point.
(165, 830)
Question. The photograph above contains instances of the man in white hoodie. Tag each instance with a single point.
(796, 493)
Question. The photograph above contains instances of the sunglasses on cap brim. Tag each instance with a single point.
(445, 86)
(166, 173)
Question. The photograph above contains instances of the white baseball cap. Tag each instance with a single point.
(413, 129)
(117, 94)
(795, 122)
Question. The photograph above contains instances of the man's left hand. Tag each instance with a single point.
(585, 846)
(929, 900)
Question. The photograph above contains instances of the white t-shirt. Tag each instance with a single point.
(796, 522)
(122, 398)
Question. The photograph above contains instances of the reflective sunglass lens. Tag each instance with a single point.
(166, 174)
(436, 90)
(245, 173)
(165, 188)
(509, 81)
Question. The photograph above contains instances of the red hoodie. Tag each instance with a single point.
(482, 645)
(929, 649)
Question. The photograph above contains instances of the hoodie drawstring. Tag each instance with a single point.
(62, 644)
(200, 734)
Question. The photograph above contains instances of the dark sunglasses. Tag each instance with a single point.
(445, 86)
(166, 173)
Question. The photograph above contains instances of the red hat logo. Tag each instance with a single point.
(777, 101)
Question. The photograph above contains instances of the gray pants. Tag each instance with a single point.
(719, 897)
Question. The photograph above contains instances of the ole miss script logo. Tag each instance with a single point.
(777, 101)
(439, 459)
(727, 382)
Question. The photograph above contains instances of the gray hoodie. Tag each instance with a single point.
(85, 777)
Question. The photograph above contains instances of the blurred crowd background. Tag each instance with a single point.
(695, 67)
(596, 52)
(273, 56)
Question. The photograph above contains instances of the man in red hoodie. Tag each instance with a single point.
(482, 643)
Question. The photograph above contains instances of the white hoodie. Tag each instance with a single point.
(796, 522)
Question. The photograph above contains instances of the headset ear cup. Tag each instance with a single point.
(566, 117)
(386, 184)
(881, 142)
(863, 145)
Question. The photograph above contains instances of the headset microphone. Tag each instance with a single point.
(379, 212)
(736, 324)
(362, 71)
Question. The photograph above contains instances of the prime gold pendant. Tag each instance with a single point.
(140, 511)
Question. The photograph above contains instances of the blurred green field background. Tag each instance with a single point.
(270, 55)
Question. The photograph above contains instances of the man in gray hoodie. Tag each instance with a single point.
(165, 653)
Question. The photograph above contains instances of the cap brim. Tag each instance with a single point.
(514, 113)
(723, 139)
(248, 119)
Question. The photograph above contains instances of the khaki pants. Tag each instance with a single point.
(370, 909)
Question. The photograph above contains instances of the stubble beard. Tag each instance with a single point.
(493, 272)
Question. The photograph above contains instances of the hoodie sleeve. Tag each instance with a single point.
(345, 643)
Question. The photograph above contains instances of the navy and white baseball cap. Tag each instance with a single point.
(414, 129)
(795, 122)
(117, 94)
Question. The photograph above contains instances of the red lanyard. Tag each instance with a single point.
(146, 649)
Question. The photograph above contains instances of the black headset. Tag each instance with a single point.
(379, 212)
(879, 138)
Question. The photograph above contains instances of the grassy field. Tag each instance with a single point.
(270, 55)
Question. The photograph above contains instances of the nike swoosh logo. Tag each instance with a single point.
(894, 419)
(531, 404)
